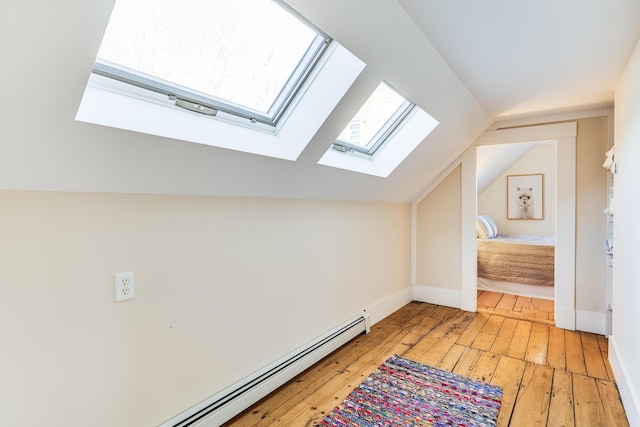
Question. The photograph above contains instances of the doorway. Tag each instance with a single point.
(515, 257)
(564, 136)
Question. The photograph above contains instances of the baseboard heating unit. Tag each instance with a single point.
(229, 402)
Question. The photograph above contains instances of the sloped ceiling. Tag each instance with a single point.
(493, 160)
(48, 49)
(523, 57)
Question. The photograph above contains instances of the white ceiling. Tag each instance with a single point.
(493, 160)
(522, 57)
(466, 63)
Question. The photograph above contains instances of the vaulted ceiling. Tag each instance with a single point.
(466, 63)
(520, 57)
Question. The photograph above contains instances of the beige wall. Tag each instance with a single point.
(438, 238)
(591, 222)
(493, 202)
(223, 287)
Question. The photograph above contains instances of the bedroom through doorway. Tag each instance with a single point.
(515, 230)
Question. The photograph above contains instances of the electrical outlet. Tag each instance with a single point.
(124, 286)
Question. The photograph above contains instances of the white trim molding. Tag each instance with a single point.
(386, 306)
(628, 391)
(591, 321)
(550, 118)
(438, 296)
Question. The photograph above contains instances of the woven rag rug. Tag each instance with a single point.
(402, 392)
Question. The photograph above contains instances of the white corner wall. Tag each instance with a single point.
(624, 343)
(224, 286)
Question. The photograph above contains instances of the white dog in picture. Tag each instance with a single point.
(524, 202)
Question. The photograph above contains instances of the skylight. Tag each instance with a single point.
(246, 58)
(385, 130)
(376, 120)
(245, 75)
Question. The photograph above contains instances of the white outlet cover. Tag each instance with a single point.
(123, 286)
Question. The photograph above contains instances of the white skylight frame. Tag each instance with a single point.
(121, 105)
(194, 99)
(384, 131)
(407, 135)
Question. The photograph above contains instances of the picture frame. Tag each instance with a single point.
(525, 196)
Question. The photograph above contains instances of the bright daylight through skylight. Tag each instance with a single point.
(250, 55)
(375, 121)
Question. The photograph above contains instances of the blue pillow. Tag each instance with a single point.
(489, 225)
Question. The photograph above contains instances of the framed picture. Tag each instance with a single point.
(525, 196)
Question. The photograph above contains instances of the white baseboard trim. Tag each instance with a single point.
(628, 393)
(439, 296)
(591, 321)
(394, 302)
(565, 318)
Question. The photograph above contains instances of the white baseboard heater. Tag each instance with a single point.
(229, 402)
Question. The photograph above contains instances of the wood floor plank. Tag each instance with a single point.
(451, 359)
(532, 404)
(473, 329)
(521, 303)
(448, 325)
(538, 344)
(587, 403)
(489, 299)
(508, 375)
(485, 367)
(593, 357)
(467, 361)
(440, 340)
(507, 302)
(574, 353)
(561, 404)
(520, 340)
(542, 304)
(505, 335)
(517, 307)
(603, 344)
(614, 413)
(536, 315)
(488, 333)
(556, 356)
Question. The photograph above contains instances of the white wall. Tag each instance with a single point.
(493, 201)
(224, 286)
(624, 345)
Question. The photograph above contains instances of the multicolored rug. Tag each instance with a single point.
(402, 392)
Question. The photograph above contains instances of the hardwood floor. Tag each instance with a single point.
(516, 307)
(549, 376)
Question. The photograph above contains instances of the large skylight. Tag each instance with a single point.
(268, 76)
(247, 58)
(372, 125)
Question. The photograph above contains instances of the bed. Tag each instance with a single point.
(515, 258)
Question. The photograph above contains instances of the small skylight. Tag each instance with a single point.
(247, 58)
(385, 130)
(373, 124)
